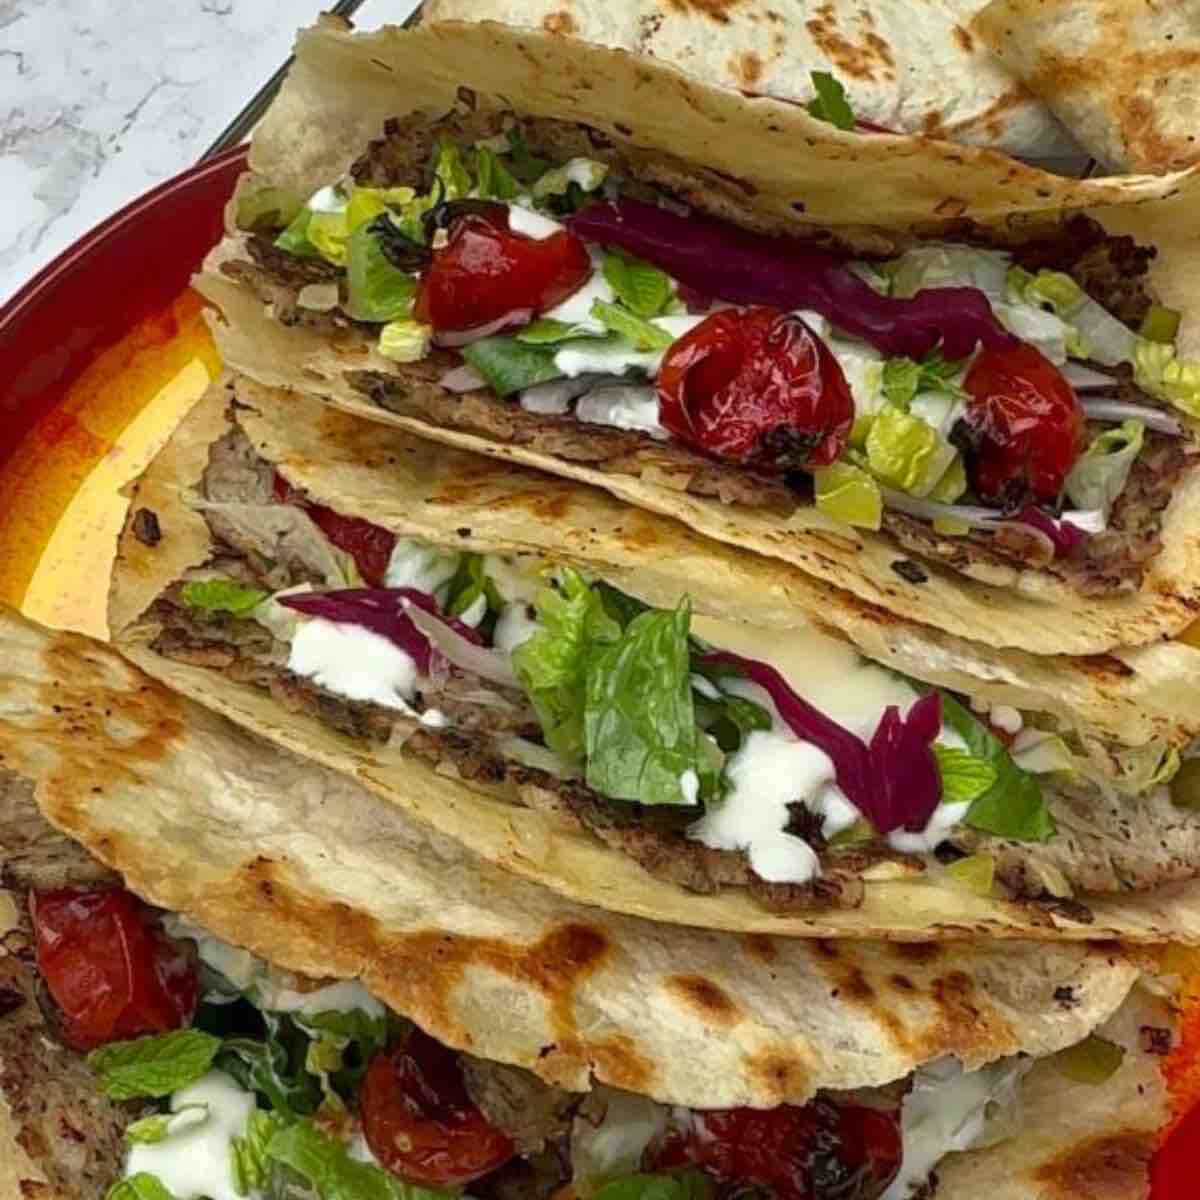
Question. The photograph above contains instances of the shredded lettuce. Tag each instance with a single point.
(405, 340)
(1100, 473)
(584, 173)
(552, 664)
(965, 776)
(377, 290)
(222, 595)
(907, 453)
(267, 208)
(940, 264)
(546, 331)
(160, 1126)
(450, 170)
(142, 1186)
(494, 181)
(510, 365)
(850, 494)
(830, 103)
(640, 719)
(1097, 333)
(640, 287)
(903, 378)
(1160, 324)
(1013, 807)
(251, 1164)
(1159, 370)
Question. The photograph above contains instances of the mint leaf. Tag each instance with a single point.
(830, 103)
(377, 290)
(356, 1035)
(251, 1164)
(620, 320)
(964, 777)
(546, 331)
(509, 365)
(469, 583)
(642, 288)
(552, 664)
(493, 179)
(640, 721)
(153, 1066)
(142, 1186)
(326, 1164)
(674, 1185)
(160, 1126)
(903, 378)
(1013, 807)
(222, 595)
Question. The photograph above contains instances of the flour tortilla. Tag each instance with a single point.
(1122, 75)
(531, 844)
(918, 73)
(305, 867)
(38, 1163)
(344, 87)
(1146, 697)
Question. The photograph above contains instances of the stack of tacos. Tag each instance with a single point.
(655, 673)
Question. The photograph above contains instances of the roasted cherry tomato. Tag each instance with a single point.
(419, 1121)
(1025, 426)
(821, 1151)
(369, 545)
(759, 387)
(112, 971)
(487, 272)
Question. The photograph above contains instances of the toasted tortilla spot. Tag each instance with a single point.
(903, 983)
(779, 1075)
(747, 68)
(856, 986)
(718, 10)
(559, 22)
(706, 998)
(761, 947)
(618, 1057)
(963, 38)
(917, 952)
(1108, 1168)
(863, 60)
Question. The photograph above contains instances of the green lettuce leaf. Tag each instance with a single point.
(830, 103)
(643, 334)
(552, 664)
(906, 452)
(1101, 472)
(326, 1164)
(510, 366)
(267, 208)
(583, 174)
(294, 239)
(1013, 807)
(222, 595)
(640, 720)
(159, 1126)
(964, 776)
(275, 1067)
(1157, 369)
(546, 331)
(469, 583)
(494, 181)
(405, 340)
(848, 493)
(1098, 334)
(642, 288)
(450, 170)
(377, 290)
(142, 1186)
(153, 1066)
(525, 165)
(251, 1163)
(618, 604)
(666, 1185)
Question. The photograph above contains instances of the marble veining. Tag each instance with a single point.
(102, 99)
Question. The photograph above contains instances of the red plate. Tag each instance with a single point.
(106, 314)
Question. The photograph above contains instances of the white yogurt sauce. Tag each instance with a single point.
(517, 623)
(197, 1161)
(353, 662)
(623, 406)
(419, 565)
(344, 996)
(532, 224)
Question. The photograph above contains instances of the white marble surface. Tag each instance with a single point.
(102, 99)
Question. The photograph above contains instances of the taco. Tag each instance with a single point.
(926, 77)
(311, 1009)
(1121, 76)
(468, 650)
(988, 428)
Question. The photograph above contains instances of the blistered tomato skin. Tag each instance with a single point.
(369, 545)
(1025, 426)
(820, 1151)
(111, 970)
(419, 1121)
(757, 387)
(486, 272)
